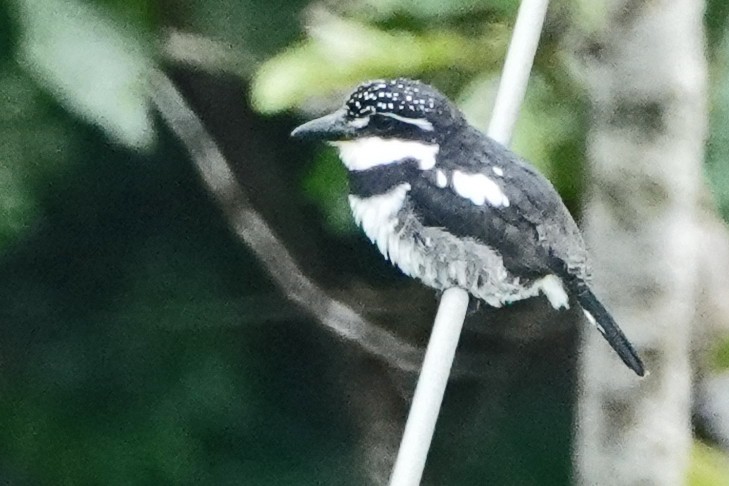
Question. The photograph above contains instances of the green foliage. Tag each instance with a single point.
(16, 202)
(718, 144)
(716, 18)
(588, 16)
(720, 355)
(326, 186)
(435, 10)
(256, 28)
(126, 361)
(709, 466)
(7, 33)
(131, 352)
(342, 52)
(140, 15)
(89, 64)
(548, 132)
(33, 145)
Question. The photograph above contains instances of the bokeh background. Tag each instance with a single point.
(142, 341)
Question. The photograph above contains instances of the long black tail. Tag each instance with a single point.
(601, 318)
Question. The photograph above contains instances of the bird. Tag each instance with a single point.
(452, 207)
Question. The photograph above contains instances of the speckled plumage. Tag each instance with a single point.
(399, 96)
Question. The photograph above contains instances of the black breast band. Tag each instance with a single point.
(381, 179)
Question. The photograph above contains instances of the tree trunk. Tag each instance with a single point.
(646, 73)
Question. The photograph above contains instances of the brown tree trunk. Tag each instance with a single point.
(645, 68)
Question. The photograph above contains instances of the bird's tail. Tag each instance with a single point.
(601, 318)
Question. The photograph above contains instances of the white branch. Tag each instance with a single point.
(431, 388)
(518, 65)
(441, 351)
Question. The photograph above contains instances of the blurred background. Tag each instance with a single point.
(184, 297)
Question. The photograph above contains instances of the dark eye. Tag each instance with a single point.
(383, 122)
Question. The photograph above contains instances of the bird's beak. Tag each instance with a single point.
(332, 127)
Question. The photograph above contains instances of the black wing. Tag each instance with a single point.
(534, 234)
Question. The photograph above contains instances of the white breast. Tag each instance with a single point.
(440, 259)
(377, 215)
(368, 152)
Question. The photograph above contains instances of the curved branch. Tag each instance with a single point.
(252, 229)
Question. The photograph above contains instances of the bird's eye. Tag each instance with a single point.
(383, 122)
(387, 121)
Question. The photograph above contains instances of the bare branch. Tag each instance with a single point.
(448, 325)
(250, 227)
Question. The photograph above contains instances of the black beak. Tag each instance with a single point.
(330, 127)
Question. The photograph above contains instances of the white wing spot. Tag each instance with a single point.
(479, 189)
(552, 288)
(440, 178)
(498, 171)
(368, 152)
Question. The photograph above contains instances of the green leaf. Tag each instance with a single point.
(545, 120)
(253, 29)
(90, 65)
(717, 153)
(342, 53)
(715, 18)
(437, 9)
(326, 186)
(708, 467)
(720, 355)
(17, 206)
(32, 144)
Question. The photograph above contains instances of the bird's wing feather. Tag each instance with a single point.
(534, 233)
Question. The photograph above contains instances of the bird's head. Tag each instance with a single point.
(397, 108)
(387, 111)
